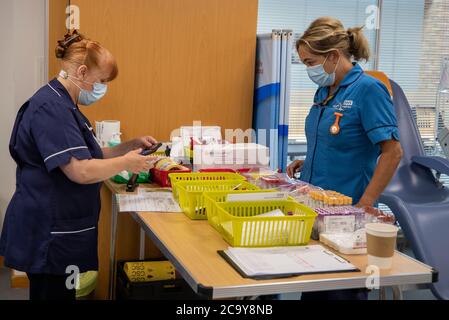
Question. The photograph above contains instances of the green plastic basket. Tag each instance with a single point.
(241, 227)
(191, 198)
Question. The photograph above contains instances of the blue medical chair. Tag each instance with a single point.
(417, 198)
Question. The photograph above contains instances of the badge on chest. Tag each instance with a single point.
(335, 127)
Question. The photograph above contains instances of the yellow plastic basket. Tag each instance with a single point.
(211, 198)
(159, 153)
(191, 198)
(241, 227)
(196, 176)
(188, 152)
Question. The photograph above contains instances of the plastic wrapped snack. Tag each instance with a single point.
(375, 215)
(337, 232)
(346, 243)
(300, 192)
(254, 175)
(278, 181)
(339, 219)
(266, 178)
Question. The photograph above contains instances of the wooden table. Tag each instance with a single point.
(192, 247)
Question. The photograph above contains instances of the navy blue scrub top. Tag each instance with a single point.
(346, 162)
(51, 222)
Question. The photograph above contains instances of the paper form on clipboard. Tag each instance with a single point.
(276, 262)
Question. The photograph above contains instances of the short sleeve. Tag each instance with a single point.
(58, 136)
(377, 114)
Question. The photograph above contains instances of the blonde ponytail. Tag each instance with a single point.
(358, 44)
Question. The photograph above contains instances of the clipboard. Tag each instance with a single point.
(242, 273)
(223, 254)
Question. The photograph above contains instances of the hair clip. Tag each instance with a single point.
(69, 39)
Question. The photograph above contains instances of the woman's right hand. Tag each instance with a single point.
(294, 167)
(135, 162)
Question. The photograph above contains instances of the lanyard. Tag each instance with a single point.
(335, 127)
(329, 98)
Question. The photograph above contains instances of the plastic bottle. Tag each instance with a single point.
(115, 140)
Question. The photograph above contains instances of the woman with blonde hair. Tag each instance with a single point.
(352, 136)
(50, 227)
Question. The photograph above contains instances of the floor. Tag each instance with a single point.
(6, 293)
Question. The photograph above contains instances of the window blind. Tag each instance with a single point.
(297, 15)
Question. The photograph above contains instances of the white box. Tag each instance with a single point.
(210, 133)
(239, 155)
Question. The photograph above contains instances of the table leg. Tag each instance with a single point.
(113, 263)
(397, 293)
(382, 293)
(142, 244)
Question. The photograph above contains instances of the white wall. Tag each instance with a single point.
(22, 66)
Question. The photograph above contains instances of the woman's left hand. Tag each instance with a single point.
(144, 142)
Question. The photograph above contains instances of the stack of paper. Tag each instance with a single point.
(148, 201)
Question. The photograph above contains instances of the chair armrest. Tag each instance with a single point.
(438, 164)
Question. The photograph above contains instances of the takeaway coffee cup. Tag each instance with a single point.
(381, 243)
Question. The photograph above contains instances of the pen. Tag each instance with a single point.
(334, 256)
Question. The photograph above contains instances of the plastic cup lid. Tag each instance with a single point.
(381, 229)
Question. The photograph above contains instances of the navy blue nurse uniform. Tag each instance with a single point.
(51, 221)
(345, 162)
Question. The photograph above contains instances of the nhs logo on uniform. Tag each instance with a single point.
(347, 104)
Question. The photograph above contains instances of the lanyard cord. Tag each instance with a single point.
(329, 98)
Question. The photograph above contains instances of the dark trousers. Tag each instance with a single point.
(351, 294)
(50, 287)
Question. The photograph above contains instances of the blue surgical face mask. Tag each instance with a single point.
(86, 98)
(318, 75)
